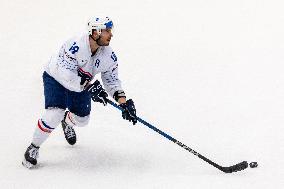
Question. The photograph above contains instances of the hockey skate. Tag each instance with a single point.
(68, 130)
(30, 157)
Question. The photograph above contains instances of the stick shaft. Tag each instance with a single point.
(174, 140)
(171, 138)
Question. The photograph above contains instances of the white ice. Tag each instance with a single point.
(209, 73)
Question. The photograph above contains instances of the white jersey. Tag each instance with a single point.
(76, 54)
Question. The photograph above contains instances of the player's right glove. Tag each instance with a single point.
(98, 94)
(129, 111)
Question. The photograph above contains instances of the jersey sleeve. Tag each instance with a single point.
(65, 71)
(110, 77)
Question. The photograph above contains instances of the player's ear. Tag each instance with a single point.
(95, 34)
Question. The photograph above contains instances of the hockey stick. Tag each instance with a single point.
(234, 168)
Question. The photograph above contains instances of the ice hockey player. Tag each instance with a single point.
(68, 89)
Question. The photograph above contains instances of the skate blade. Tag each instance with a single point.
(27, 164)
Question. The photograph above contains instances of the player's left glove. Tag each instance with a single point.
(98, 94)
(129, 111)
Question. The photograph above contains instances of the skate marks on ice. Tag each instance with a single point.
(91, 159)
(98, 160)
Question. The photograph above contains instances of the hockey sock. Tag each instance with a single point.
(49, 121)
(74, 120)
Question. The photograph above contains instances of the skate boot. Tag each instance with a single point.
(31, 156)
(68, 130)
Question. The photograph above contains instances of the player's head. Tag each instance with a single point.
(100, 30)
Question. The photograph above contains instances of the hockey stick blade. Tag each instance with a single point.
(234, 168)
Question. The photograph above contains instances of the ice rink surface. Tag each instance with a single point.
(209, 73)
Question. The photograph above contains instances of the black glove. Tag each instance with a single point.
(98, 94)
(129, 111)
(85, 77)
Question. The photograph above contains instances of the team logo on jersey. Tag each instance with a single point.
(113, 57)
(74, 48)
(97, 63)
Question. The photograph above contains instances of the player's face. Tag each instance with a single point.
(105, 37)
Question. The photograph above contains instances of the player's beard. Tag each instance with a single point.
(101, 43)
